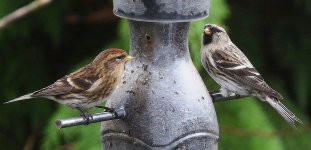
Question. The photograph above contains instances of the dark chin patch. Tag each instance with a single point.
(207, 39)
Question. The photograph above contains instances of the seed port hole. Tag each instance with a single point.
(148, 37)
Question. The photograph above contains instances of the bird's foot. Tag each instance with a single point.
(85, 116)
(219, 96)
(216, 95)
(234, 96)
(107, 109)
(111, 110)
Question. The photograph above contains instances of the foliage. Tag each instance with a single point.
(23, 68)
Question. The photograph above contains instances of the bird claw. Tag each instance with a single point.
(237, 96)
(107, 109)
(85, 116)
(219, 97)
(111, 110)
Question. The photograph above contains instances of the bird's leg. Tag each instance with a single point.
(225, 93)
(85, 115)
(216, 95)
(100, 107)
(229, 94)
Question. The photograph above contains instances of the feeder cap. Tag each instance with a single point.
(162, 10)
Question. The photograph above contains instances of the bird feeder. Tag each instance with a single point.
(166, 102)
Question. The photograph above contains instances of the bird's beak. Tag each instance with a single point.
(127, 58)
(207, 31)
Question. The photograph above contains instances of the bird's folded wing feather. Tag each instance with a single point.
(74, 83)
(242, 72)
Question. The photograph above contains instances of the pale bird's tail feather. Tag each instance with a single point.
(24, 97)
(284, 112)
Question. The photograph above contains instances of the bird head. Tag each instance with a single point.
(112, 58)
(213, 33)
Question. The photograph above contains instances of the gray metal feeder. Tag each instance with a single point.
(166, 102)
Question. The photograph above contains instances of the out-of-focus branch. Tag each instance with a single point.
(98, 117)
(23, 11)
(30, 143)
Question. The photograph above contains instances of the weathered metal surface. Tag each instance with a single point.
(167, 103)
(161, 10)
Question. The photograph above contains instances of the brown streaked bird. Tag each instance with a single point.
(88, 86)
(231, 69)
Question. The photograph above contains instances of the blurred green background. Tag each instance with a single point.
(67, 34)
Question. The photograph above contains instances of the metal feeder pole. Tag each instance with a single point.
(166, 102)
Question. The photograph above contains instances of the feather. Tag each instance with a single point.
(283, 111)
(24, 97)
(244, 74)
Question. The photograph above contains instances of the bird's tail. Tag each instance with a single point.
(283, 111)
(24, 97)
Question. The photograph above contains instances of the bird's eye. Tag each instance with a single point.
(120, 57)
(216, 30)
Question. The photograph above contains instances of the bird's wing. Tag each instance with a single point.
(76, 82)
(238, 67)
